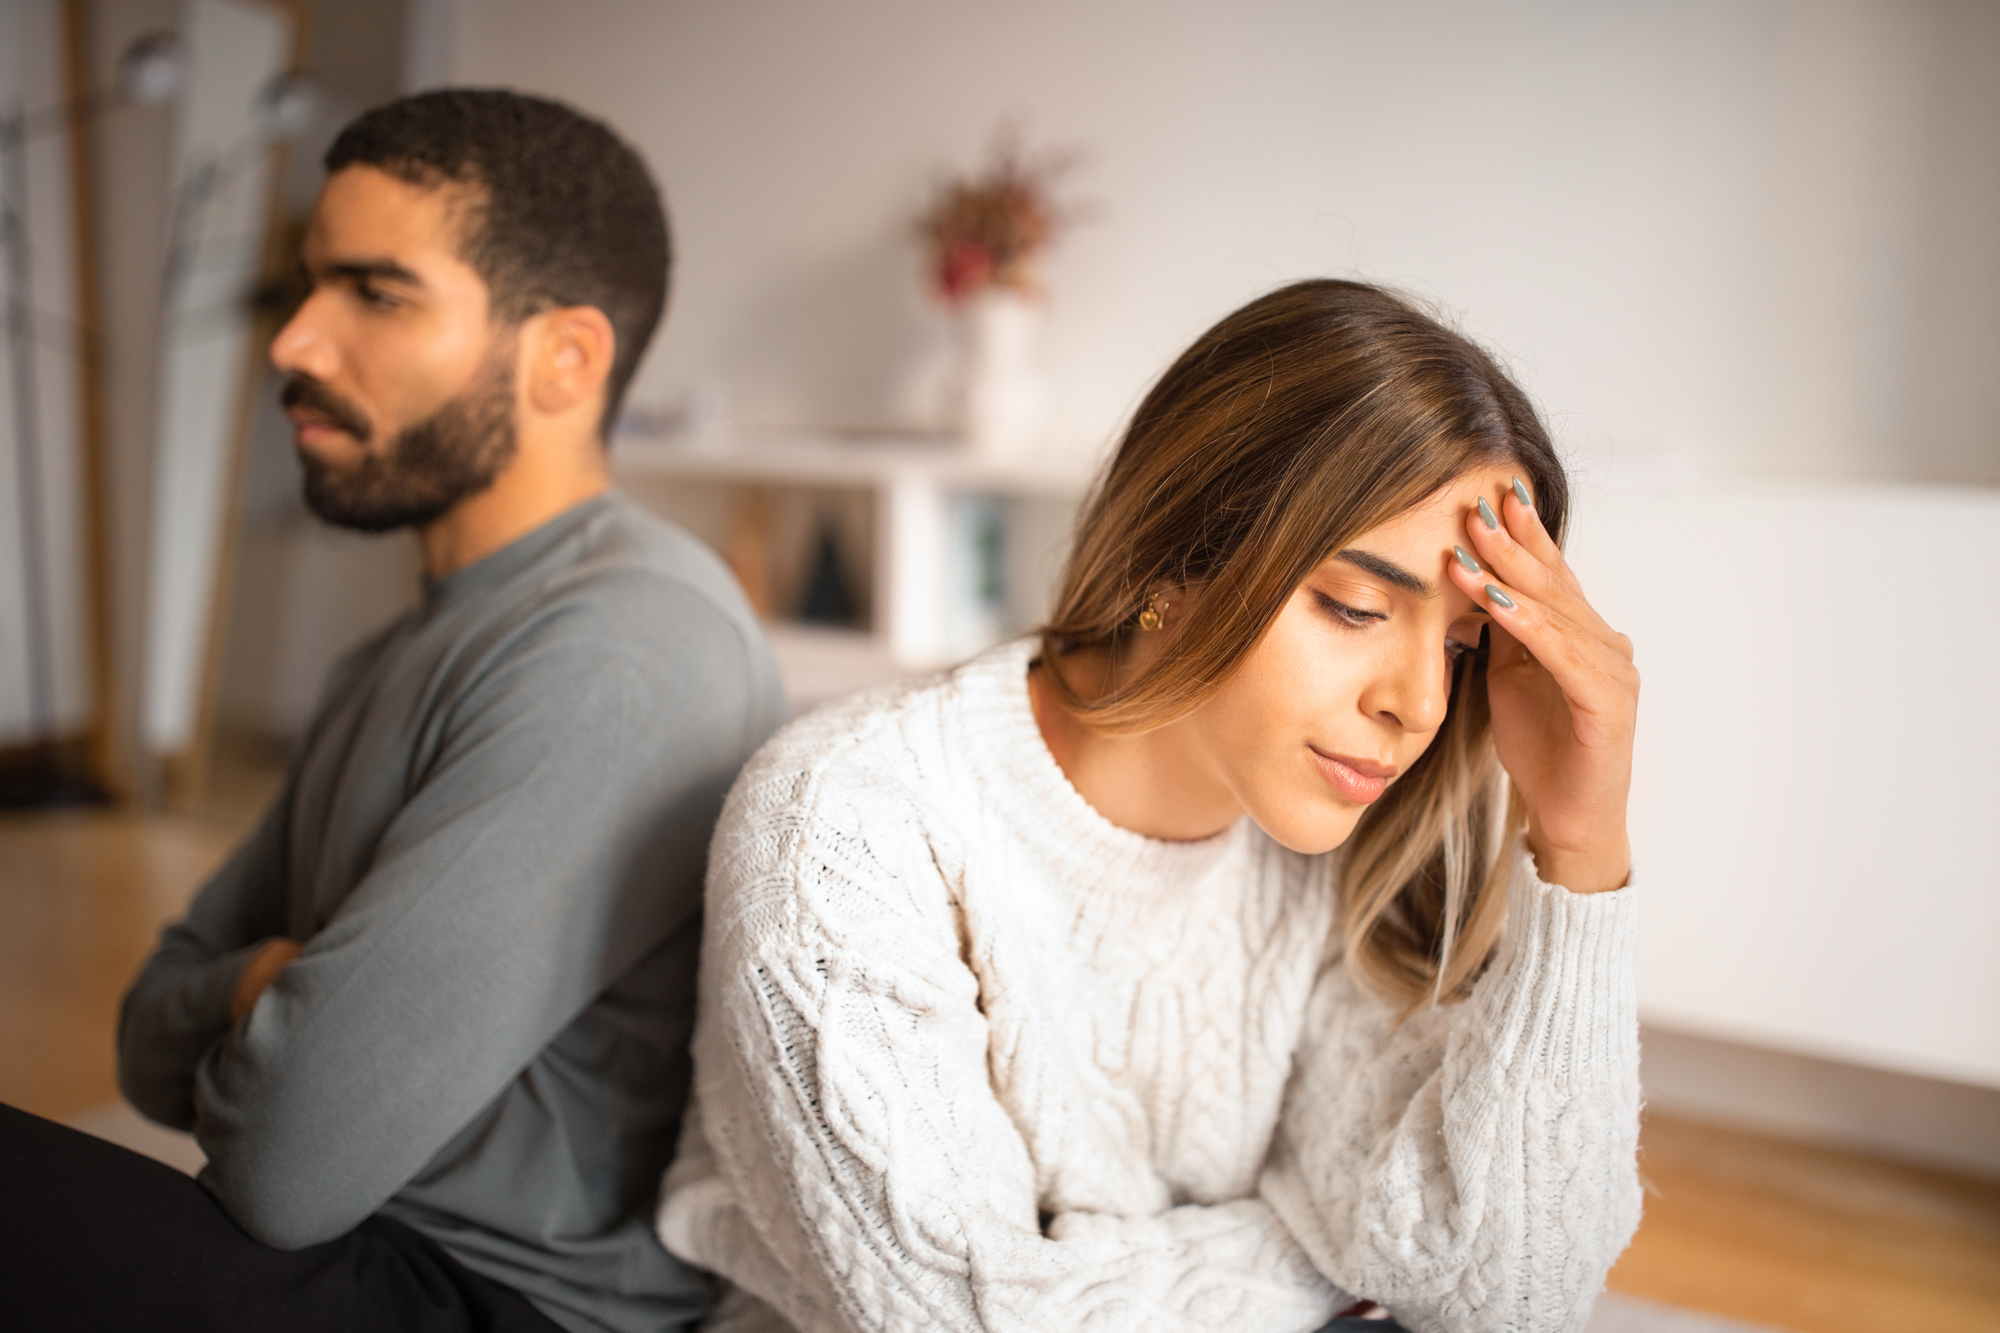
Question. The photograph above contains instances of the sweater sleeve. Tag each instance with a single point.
(850, 1164)
(179, 1006)
(1473, 1167)
(521, 877)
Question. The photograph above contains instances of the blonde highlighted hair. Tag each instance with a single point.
(1295, 424)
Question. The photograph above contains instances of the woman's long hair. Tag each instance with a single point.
(1296, 424)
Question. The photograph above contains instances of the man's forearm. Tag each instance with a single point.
(180, 1006)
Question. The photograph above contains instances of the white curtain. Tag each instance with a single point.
(45, 686)
(218, 215)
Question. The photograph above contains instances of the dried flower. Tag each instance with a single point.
(987, 230)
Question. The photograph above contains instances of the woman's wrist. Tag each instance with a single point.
(1598, 867)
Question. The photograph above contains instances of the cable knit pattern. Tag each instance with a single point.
(972, 1057)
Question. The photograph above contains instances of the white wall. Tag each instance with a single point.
(1758, 233)
(1751, 240)
(1941, 1122)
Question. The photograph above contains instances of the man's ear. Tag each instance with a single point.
(569, 355)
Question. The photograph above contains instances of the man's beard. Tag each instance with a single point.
(455, 452)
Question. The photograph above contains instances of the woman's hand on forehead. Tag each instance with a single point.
(1563, 690)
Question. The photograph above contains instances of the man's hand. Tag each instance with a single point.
(259, 972)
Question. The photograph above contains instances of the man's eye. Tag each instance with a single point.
(374, 296)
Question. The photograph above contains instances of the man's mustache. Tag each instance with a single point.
(302, 390)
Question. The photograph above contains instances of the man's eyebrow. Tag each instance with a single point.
(372, 270)
(1388, 571)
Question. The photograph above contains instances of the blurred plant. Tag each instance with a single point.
(987, 231)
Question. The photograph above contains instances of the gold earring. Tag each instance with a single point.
(1154, 615)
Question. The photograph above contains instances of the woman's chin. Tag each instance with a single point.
(1308, 832)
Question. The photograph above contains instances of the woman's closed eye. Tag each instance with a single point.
(1461, 639)
(1352, 616)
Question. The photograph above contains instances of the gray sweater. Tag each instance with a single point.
(492, 844)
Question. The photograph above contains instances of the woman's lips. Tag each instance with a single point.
(1356, 780)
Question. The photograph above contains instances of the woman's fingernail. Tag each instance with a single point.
(1499, 598)
(1471, 565)
(1486, 514)
(1521, 494)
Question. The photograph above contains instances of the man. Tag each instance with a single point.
(430, 1022)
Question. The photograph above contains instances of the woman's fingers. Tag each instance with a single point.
(1564, 695)
(1596, 676)
(1598, 682)
(1524, 525)
(1579, 662)
(1520, 548)
(1520, 552)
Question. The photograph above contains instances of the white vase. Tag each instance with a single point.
(1002, 401)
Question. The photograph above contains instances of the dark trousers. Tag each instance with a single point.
(93, 1237)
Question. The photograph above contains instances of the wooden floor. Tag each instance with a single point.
(1765, 1231)
(83, 894)
(1810, 1239)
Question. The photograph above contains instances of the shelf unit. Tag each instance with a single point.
(912, 485)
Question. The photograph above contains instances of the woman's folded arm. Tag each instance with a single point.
(1473, 1167)
(857, 1170)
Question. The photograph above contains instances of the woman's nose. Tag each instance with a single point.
(1411, 693)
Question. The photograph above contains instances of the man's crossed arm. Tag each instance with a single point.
(526, 872)
(259, 973)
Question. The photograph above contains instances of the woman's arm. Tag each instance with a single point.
(1474, 1167)
(864, 1175)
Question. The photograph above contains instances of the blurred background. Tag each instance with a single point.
(1745, 255)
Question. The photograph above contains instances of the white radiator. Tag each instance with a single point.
(1816, 809)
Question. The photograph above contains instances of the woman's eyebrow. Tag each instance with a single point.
(1388, 571)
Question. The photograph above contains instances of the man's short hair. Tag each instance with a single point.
(564, 214)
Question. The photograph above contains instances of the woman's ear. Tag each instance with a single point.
(570, 351)
(1173, 602)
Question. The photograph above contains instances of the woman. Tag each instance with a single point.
(1036, 995)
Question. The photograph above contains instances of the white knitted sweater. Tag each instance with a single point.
(972, 1057)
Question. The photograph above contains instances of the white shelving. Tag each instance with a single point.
(803, 459)
(915, 573)
(820, 663)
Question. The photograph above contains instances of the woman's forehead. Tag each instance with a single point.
(1439, 516)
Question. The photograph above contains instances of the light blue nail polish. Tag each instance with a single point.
(1521, 494)
(1499, 598)
(1471, 565)
(1486, 514)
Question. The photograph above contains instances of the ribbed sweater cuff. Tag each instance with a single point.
(1561, 1002)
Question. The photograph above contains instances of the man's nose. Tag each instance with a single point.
(302, 346)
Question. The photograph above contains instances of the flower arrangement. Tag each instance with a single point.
(987, 231)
